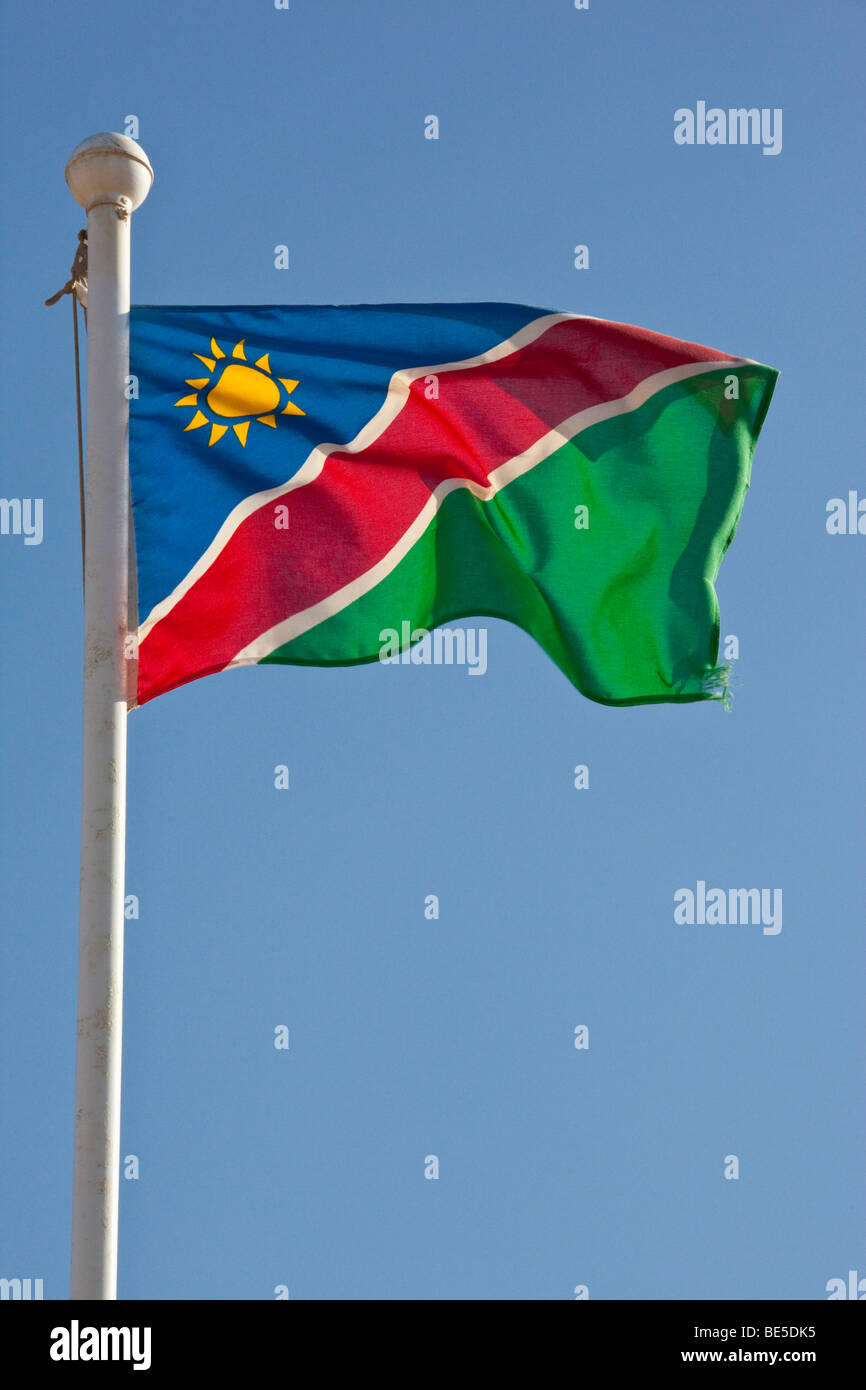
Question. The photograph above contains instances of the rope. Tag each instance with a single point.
(74, 286)
(78, 422)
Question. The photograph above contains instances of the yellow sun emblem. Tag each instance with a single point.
(237, 392)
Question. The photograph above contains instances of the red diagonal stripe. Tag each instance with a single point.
(347, 519)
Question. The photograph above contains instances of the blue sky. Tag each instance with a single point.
(557, 1167)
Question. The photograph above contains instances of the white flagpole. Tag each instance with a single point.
(109, 175)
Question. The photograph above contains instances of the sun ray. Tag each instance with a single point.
(238, 350)
(268, 420)
(188, 400)
(197, 421)
(216, 349)
(199, 382)
(216, 432)
(264, 362)
(242, 430)
(289, 385)
(292, 410)
(208, 361)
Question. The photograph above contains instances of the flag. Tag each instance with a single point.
(324, 485)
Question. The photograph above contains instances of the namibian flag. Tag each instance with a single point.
(308, 480)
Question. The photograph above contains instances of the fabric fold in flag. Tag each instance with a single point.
(306, 479)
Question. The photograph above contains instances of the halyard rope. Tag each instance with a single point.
(77, 282)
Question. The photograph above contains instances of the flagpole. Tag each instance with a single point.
(110, 176)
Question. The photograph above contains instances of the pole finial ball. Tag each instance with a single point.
(106, 166)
